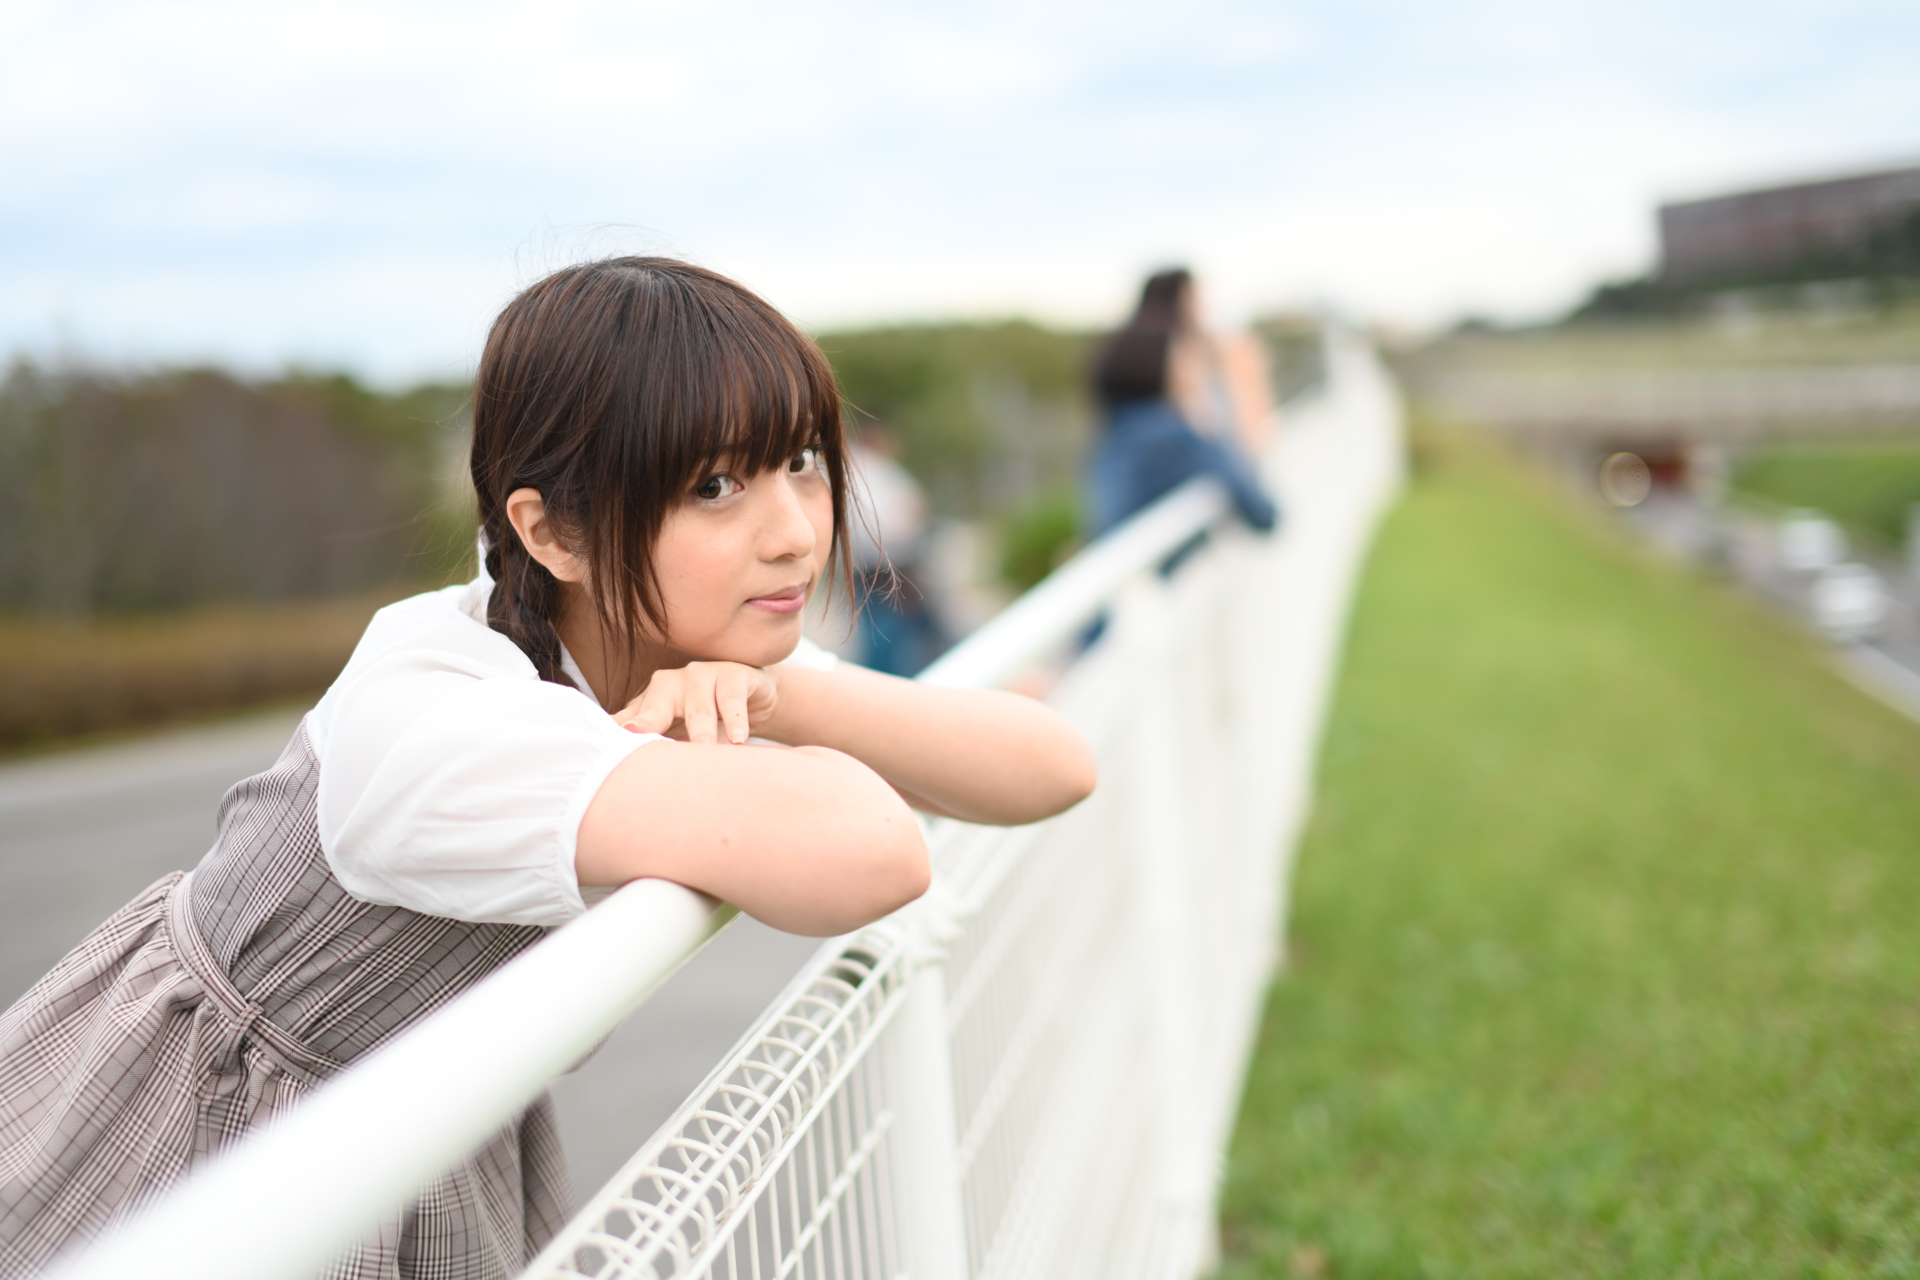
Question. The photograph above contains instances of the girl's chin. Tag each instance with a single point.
(773, 641)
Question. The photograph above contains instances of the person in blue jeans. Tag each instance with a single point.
(1153, 379)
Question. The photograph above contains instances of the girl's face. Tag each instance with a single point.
(738, 559)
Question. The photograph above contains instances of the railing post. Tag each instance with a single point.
(926, 1129)
(1163, 845)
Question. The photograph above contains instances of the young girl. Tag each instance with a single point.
(662, 484)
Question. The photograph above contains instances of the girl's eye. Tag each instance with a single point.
(807, 459)
(715, 487)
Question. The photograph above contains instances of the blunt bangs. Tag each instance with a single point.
(754, 393)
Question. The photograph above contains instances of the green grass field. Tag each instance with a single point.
(1870, 486)
(1605, 950)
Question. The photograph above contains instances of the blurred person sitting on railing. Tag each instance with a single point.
(661, 474)
(1177, 402)
(899, 631)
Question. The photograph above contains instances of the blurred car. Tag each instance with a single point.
(1849, 601)
(1809, 542)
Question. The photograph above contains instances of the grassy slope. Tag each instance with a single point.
(1606, 939)
(1869, 486)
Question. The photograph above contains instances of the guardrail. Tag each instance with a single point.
(1030, 1072)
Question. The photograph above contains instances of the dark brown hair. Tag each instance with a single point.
(613, 387)
(1132, 364)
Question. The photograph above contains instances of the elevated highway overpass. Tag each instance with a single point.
(1728, 405)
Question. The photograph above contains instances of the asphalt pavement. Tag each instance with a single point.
(1884, 661)
(82, 832)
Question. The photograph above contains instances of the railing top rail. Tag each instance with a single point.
(311, 1183)
(362, 1145)
(1039, 622)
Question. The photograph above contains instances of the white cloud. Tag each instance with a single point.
(360, 182)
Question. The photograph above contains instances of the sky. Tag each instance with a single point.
(361, 186)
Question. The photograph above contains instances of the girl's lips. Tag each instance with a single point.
(789, 600)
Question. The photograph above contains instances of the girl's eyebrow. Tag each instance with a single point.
(725, 460)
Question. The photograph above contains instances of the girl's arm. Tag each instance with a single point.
(973, 754)
(1249, 378)
(810, 841)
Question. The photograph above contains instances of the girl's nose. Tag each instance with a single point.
(788, 530)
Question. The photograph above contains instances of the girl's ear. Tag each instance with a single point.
(527, 512)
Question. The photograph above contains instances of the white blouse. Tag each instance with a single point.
(452, 778)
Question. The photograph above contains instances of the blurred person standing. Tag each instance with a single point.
(899, 633)
(1176, 403)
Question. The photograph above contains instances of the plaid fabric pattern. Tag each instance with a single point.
(215, 1000)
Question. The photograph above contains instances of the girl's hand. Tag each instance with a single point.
(703, 700)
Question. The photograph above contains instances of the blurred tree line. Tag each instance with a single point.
(125, 493)
(994, 419)
(177, 542)
(987, 414)
(139, 492)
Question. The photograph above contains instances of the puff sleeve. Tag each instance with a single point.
(453, 781)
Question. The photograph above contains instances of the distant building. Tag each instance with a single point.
(1837, 227)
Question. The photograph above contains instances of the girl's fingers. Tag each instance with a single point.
(763, 694)
(706, 699)
(732, 699)
(696, 706)
(655, 710)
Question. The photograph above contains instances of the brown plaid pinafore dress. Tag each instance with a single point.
(216, 999)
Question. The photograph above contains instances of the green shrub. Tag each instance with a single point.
(1037, 535)
(986, 413)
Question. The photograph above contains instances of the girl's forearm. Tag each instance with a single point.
(979, 755)
(823, 847)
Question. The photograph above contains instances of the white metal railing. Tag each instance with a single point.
(1030, 1072)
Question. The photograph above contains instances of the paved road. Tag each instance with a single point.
(82, 833)
(1886, 664)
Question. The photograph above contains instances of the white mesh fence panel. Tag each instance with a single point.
(778, 1165)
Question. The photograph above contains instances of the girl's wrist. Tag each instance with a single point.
(787, 720)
